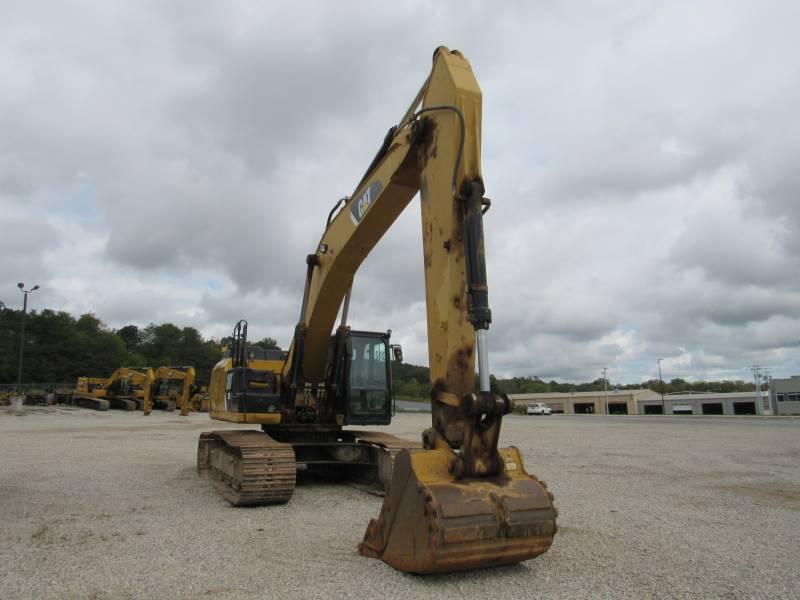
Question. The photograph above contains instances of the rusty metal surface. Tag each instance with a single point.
(431, 522)
(451, 337)
(248, 468)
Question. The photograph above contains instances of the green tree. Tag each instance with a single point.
(161, 344)
(10, 323)
(410, 389)
(268, 343)
(132, 337)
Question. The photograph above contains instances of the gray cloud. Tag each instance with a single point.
(177, 162)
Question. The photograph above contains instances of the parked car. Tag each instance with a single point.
(539, 409)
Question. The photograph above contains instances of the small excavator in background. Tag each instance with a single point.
(140, 381)
(171, 387)
(457, 501)
(199, 401)
(128, 388)
(90, 392)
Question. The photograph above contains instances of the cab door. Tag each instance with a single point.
(368, 397)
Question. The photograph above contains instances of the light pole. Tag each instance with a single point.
(21, 287)
(661, 386)
(605, 385)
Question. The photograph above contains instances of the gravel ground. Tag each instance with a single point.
(108, 505)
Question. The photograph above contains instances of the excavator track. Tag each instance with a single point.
(249, 468)
(391, 447)
(120, 403)
(90, 402)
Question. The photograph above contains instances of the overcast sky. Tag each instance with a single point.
(176, 161)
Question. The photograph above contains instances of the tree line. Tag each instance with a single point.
(532, 385)
(412, 381)
(61, 348)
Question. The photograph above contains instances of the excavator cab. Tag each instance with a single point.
(362, 383)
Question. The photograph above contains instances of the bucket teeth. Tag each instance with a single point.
(431, 522)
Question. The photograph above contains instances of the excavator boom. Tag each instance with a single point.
(435, 150)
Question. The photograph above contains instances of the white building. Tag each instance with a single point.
(733, 403)
(620, 402)
(785, 395)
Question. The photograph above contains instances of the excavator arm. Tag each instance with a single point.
(169, 397)
(435, 150)
(142, 378)
(461, 502)
(186, 390)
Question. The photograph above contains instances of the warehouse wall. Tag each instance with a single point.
(785, 395)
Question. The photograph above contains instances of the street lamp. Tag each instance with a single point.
(22, 289)
(661, 385)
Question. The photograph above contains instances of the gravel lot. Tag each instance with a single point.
(108, 505)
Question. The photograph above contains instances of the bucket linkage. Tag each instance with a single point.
(451, 511)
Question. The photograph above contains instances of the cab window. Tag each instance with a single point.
(369, 390)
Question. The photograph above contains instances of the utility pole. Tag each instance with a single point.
(773, 400)
(761, 374)
(605, 385)
(21, 287)
(661, 386)
(756, 369)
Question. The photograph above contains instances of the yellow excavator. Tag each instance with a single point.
(140, 381)
(199, 401)
(171, 387)
(128, 388)
(90, 392)
(457, 501)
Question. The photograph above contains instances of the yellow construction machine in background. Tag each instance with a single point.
(201, 399)
(140, 380)
(128, 388)
(172, 386)
(90, 392)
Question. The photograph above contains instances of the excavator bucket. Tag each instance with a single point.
(432, 522)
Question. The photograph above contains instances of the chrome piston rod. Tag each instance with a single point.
(483, 360)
